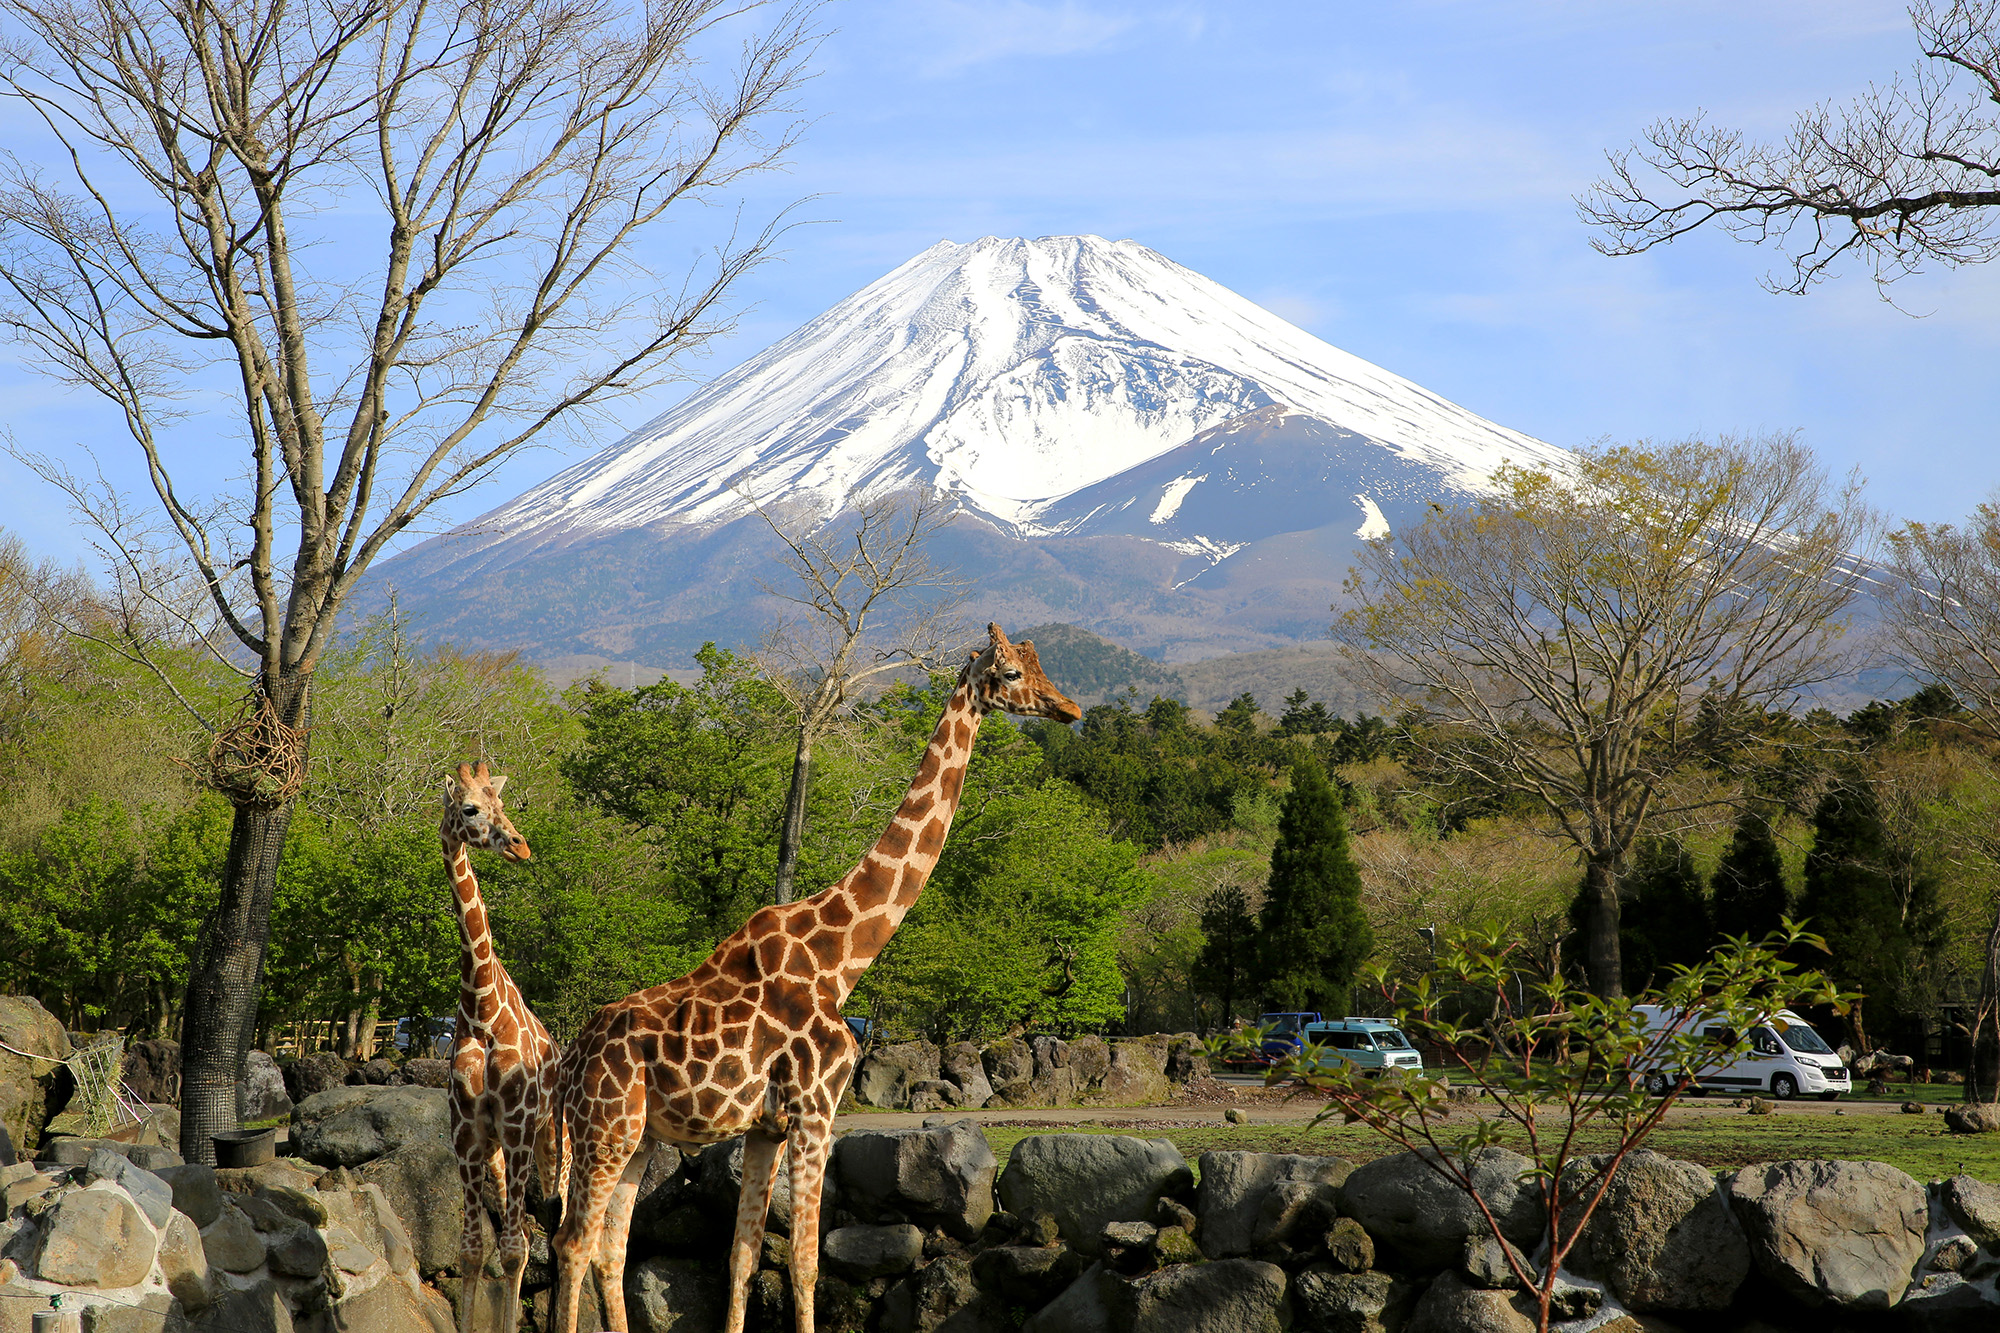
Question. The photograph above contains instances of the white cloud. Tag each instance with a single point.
(973, 32)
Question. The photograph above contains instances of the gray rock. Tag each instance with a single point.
(379, 1071)
(1424, 1217)
(1845, 1234)
(1349, 1248)
(1128, 1246)
(421, 1186)
(153, 1157)
(65, 1150)
(184, 1262)
(424, 1073)
(675, 1296)
(1235, 1187)
(1007, 1063)
(25, 1083)
(1086, 1180)
(858, 1253)
(1974, 1205)
(1228, 1296)
(1085, 1305)
(347, 1126)
(1973, 1118)
(1953, 1253)
(1328, 1302)
(365, 1211)
(390, 1306)
(1136, 1075)
(940, 1176)
(1027, 1276)
(296, 1250)
(154, 1196)
(260, 1092)
(664, 1187)
(1450, 1306)
(310, 1075)
(1187, 1057)
(933, 1094)
(347, 1252)
(231, 1243)
(1568, 1301)
(888, 1073)
(1486, 1264)
(259, 1308)
(941, 1297)
(1662, 1237)
(95, 1238)
(961, 1064)
(150, 1313)
(1293, 1218)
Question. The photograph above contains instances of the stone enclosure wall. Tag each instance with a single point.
(1021, 1072)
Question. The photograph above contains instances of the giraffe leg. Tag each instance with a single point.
(610, 1260)
(601, 1152)
(470, 1147)
(517, 1157)
(760, 1173)
(812, 1145)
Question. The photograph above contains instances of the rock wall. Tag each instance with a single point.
(1043, 1071)
(1098, 1233)
(27, 1080)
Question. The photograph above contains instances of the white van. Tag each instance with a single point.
(1786, 1058)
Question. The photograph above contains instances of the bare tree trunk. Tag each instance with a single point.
(793, 830)
(1982, 1074)
(1602, 961)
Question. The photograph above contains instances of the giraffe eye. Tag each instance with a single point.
(1010, 675)
(471, 809)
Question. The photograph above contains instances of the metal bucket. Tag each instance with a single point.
(245, 1147)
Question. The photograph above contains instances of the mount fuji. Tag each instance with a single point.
(1131, 447)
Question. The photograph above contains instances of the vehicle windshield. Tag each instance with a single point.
(1803, 1039)
(1392, 1040)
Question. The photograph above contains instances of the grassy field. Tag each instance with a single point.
(1723, 1141)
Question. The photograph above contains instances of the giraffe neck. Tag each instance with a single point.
(475, 935)
(881, 890)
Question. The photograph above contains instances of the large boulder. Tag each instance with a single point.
(1086, 1180)
(938, 1176)
(859, 1253)
(1453, 1306)
(1088, 1058)
(1662, 1236)
(1973, 1118)
(1845, 1234)
(1232, 1296)
(1974, 1205)
(232, 1242)
(961, 1066)
(423, 1073)
(1186, 1058)
(184, 1263)
(1424, 1217)
(663, 1187)
(95, 1237)
(347, 1126)
(1007, 1063)
(260, 1093)
(421, 1185)
(887, 1073)
(310, 1075)
(1135, 1076)
(153, 1071)
(1085, 1305)
(1330, 1302)
(30, 1071)
(195, 1191)
(1236, 1187)
(941, 1297)
(718, 1186)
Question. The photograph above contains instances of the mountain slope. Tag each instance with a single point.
(1131, 447)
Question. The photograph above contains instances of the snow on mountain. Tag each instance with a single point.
(1018, 374)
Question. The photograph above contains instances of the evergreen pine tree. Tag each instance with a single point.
(1226, 967)
(1850, 899)
(1664, 921)
(1750, 883)
(1313, 935)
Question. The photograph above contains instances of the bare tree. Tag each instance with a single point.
(507, 158)
(873, 603)
(1943, 618)
(1905, 174)
(1563, 635)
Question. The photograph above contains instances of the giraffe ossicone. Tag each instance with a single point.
(752, 1042)
(503, 1064)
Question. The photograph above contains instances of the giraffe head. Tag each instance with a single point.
(472, 813)
(1008, 677)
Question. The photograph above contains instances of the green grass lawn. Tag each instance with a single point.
(1916, 1144)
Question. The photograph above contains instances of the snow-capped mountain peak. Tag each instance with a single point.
(1019, 374)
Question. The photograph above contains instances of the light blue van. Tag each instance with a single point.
(1374, 1045)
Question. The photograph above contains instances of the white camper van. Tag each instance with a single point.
(1786, 1058)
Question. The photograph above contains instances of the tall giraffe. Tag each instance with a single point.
(752, 1042)
(503, 1064)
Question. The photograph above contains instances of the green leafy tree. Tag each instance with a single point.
(1240, 717)
(1749, 885)
(1850, 895)
(1313, 935)
(1303, 716)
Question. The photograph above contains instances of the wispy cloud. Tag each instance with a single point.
(963, 33)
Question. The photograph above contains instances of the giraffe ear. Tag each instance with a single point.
(497, 783)
(451, 789)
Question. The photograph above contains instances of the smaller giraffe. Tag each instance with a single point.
(503, 1064)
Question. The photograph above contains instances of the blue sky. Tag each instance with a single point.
(1395, 177)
